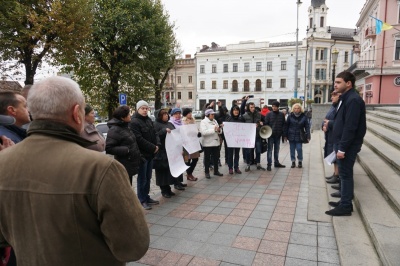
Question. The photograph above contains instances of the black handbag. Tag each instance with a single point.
(303, 136)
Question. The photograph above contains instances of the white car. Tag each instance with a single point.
(102, 128)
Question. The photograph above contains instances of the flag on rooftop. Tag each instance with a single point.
(380, 25)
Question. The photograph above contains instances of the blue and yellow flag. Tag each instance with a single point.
(380, 25)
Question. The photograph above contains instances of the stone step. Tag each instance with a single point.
(389, 124)
(353, 241)
(394, 117)
(388, 135)
(381, 221)
(383, 149)
(389, 109)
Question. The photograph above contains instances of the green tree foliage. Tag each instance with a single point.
(31, 30)
(295, 100)
(131, 46)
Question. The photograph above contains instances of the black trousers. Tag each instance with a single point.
(214, 151)
(192, 164)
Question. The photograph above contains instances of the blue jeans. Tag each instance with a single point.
(296, 146)
(346, 175)
(233, 158)
(249, 151)
(143, 180)
(273, 144)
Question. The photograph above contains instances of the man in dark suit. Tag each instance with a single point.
(348, 133)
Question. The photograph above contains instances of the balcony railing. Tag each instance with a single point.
(370, 32)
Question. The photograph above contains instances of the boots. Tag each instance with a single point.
(293, 165)
(300, 165)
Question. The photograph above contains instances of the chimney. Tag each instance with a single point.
(188, 56)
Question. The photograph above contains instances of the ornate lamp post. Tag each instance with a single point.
(335, 54)
(296, 65)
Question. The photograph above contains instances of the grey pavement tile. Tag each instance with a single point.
(199, 235)
(193, 190)
(299, 262)
(186, 195)
(237, 193)
(304, 228)
(158, 230)
(254, 195)
(170, 205)
(161, 210)
(270, 196)
(270, 202)
(264, 208)
(252, 232)
(177, 232)
(202, 208)
(328, 255)
(178, 199)
(303, 239)
(187, 223)
(212, 203)
(153, 218)
(226, 188)
(257, 190)
(302, 252)
(223, 239)
(320, 263)
(187, 247)
(169, 221)
(213, 251)
(233, 229)
(135, 264)
(228, 204)
(242, 185)
(207, 226)
(222, 192)
(164, 243)
(325, 229)
(153, 238)
(261, 215)
(239, 256)
(327, 242)
(223, 263)
(255, 222)
(220, 210)
(302, 205)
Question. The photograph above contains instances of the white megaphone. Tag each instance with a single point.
(265, 132)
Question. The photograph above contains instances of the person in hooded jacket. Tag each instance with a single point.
(121, 142)
(296, 122)
(233, 153)
(164, 179)
(222, 117)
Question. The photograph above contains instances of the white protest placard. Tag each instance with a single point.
(189, 137)
(240, 135)
(331, 158)
(173, 145)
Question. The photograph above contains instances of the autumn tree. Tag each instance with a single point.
(130, 39)
(34, 30)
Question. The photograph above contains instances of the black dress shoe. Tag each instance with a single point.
(166, 195)
(152, 202)
(300, 165)
(208, 176)
(329, 177)
(333, 180)
(268, 167)
(183, 185)
(336, 194)
(337, 203)
(179, 187)
(171, 193)
(337, 187)
(218, 174)
(293, 165)
(339, 211)
(279, 165)
(146, 206)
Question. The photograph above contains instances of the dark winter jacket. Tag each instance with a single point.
(121, 143)
(161, 159)
(235, 119)
(294, 125)
(146, 137)
(328, 148)
(276, 120)
(350, 121)
(254, 117)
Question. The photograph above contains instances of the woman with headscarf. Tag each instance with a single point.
(90, 132)
(164, 179)
(297, 122)
(190, 159)
(121, 142)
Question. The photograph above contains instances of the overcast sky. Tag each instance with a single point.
(225, 22)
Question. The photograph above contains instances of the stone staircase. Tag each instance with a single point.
(376, 195)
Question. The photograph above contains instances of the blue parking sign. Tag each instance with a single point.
(122, 99)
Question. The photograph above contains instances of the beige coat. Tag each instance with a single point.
(186, 155)
(62, 204)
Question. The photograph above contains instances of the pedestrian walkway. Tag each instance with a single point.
(256, 218)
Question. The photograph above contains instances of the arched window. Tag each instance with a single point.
(246, 85)
(234, 86)
(258, 85)
(321, 22)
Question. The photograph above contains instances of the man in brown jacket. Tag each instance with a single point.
(62, 204)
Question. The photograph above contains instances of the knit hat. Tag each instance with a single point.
(88, 109)
(140, 104)
(209, 112)
(6, 120)
(186, 111)
(275, 103)
(175, 110)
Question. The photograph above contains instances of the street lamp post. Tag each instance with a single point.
(296, 65)
(335, 54)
